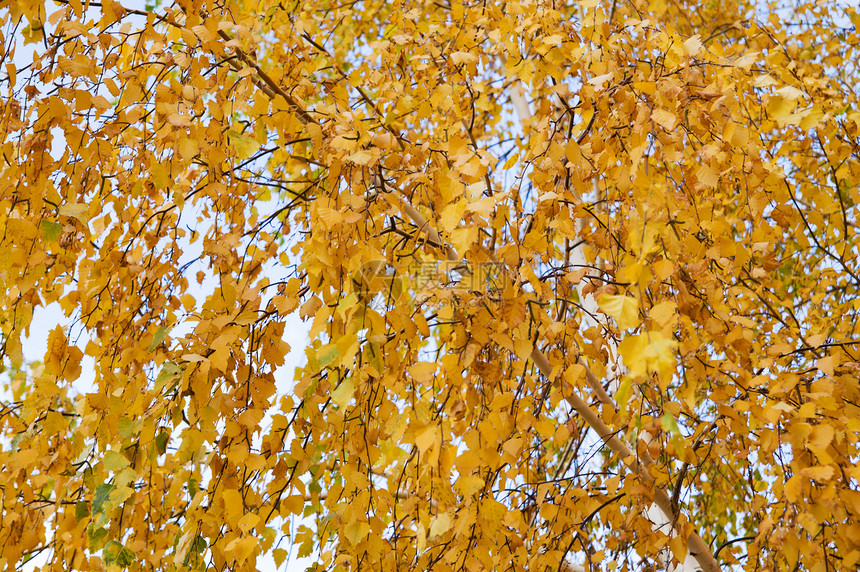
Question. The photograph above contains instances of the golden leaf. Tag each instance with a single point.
(623, 308)
(79, 211)
(664, 118)
(439, 525)
(567, 167)
(693, 45)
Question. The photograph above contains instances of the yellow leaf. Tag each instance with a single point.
(241, 548)
(464, 58)
(423, 372)
(822, 474)
(439, 525)
(342, 395)
(248, 522)
(463, 238)
(790, 92)
(356, 531)
(663, 269)
(469, 485)
(707, 176)
(279, 555)
(310, 307)
(794, 488)
(811, 118)
(693, 45)
(623, 308)
(664, 118)
(178, 120)
(23, 459)
(822, 435)
(451, 216)
(678, 545)
(427, 438)
(663, 312)
(600, 80)
(79, 211)
(294, 504)
(746, 61)
(779, 108)
(361, 157)
(482, 207)
(187, 148)
(285, 304)
(827, 364)
(764, 81)
(182, 547)
(512, 447)
(648, 352)
(245, 146)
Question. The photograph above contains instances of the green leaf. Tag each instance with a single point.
(245, 146)
(102, 494)
(118, 555)
(115, 461)
(374, 356)
(161, 442)
(198, 545)
(327, 354)
(96, 537)
(82, 510)
(306, 548)
(169, 372)
(669, 423)
(125, 426)
(51, 230)
(47, 489)
(159, 336)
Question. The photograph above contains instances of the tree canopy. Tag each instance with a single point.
(581, 279)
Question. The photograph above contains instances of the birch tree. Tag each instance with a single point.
(580, 280)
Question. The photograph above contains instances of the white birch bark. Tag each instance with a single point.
(592, 318)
